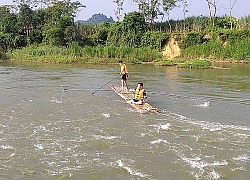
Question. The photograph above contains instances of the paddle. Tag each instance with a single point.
(105, 85)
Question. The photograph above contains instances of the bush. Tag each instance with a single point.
(196, 64)
(191, 39)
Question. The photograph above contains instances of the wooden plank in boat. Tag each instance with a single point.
(146, 107)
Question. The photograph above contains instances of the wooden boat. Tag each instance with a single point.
(144, 108)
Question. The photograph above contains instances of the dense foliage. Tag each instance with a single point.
(50, 33)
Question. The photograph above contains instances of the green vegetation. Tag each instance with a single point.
(87, 54)
(196, 64)
(221, 44)
(49, 34)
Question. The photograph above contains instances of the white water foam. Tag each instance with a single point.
(7, 147)
(55, 100)
(105, 137)
(196, 162)
(158, 127)
(242, 136)
(205, 168)
(242, 158)
(212, 126)
(214, 174)
(106, 115)
(239, 169)
(39, 146)
(165, 126)
(130, 170)
(158, 141)
(203, 105)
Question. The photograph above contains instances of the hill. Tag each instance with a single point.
(96, 19)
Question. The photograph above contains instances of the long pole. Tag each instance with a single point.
(104, 85)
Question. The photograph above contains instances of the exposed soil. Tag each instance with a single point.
(171, 50)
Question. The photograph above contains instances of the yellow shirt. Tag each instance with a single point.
(124, 69)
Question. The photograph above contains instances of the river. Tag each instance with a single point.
(52, 127)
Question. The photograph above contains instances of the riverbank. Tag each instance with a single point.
(183, 49)
(174, 53)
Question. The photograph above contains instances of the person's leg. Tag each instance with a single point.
(125, 85)
(139, 102)
(122, 84)
(125, 82)
(130, 101)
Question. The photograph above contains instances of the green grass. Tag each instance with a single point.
(76, 54)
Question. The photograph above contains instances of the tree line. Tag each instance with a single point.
(51, 22)
(160, 9)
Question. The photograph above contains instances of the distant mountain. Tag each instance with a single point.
(96, 19)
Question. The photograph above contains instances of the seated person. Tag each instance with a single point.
(139, 96)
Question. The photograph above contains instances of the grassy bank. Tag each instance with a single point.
(221, 45)
(227, 45)
(76, 54)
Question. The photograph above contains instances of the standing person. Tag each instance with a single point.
(124, 73)
(139, 96)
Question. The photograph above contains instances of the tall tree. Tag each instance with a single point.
(58, 17)
(8, 23)
(167, 6)
(150, 9)
(232, 4)
(118, 11)
(129, 32)
(36, 3)
(38, 21)
(134, 27)
(142, 6)
(184, 5)
(25, 20)
(212, 7)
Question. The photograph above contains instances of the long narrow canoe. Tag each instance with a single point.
(146, 107)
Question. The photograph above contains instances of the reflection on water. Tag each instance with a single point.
(52, 127)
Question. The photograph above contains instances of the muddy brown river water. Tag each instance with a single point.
(46, 132)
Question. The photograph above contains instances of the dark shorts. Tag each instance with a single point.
(135, 100)
(125, 77)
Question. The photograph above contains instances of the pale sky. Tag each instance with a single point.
(196, 8)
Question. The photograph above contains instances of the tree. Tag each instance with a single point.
(35, 3)
(102, 35)
(232, 4)
(4, 11)
(25, 21)
(184, 5)
(4, 41)
(134, 27)
(119, 8)
(129, 32)
(167, 6)
(150, 9)
(142, 6)
(226, 22)
(212, 7)
(57, 18)
(8, 22)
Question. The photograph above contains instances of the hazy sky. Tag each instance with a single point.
(196, 8)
